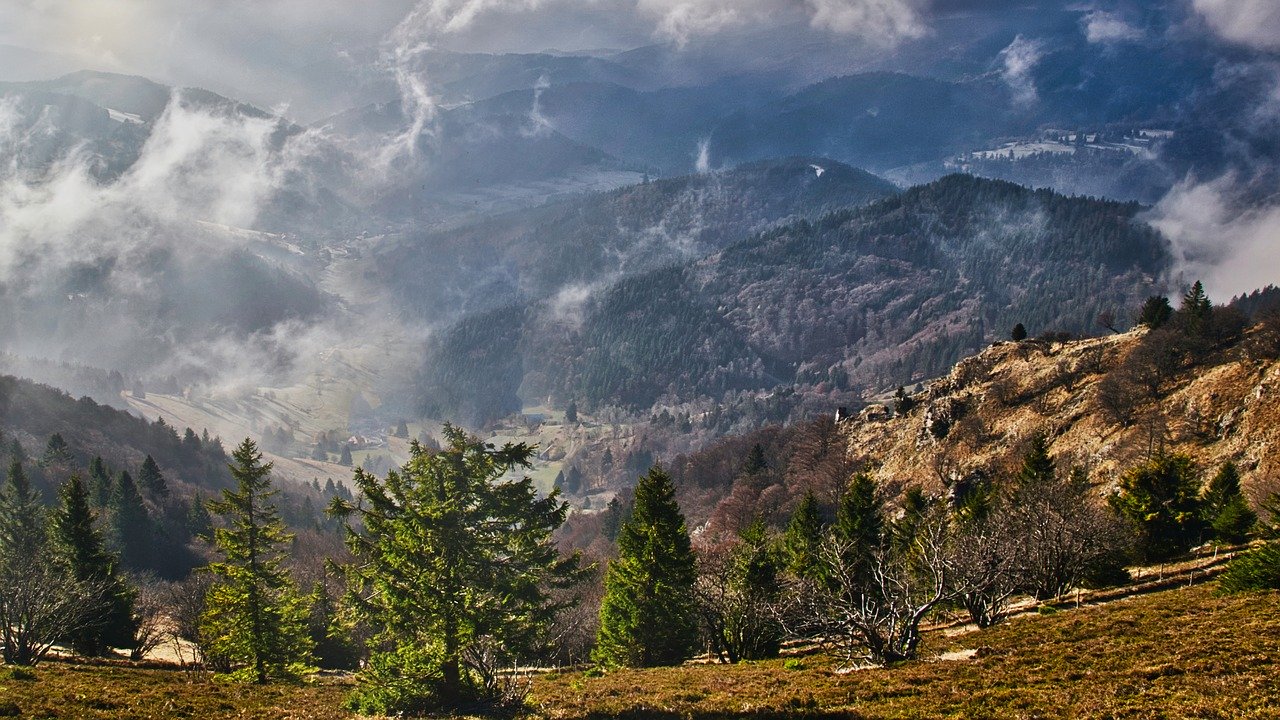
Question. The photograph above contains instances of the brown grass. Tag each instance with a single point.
(1176, 654)
(1184, 653)
(64, 690)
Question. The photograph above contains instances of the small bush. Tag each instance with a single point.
(22, 674)
(793, 664)
(593, 672)
(1255, 570)
(10, 709)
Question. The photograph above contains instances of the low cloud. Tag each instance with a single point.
(1101, 27)
(130, 270)
(1253, 23)
(1232, 248)
(1018, 61)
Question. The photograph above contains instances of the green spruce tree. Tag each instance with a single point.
(648, 615)
(1226, 511)
(802, 541)
(455, 563)
(56, 451)
(1161, 500)
(129, 524)
(255, 619)
(100, 484)
(151, 479)
(1155, 312)
(860, 525)
(80, 548)
(22, 519)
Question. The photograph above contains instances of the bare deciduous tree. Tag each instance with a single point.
(41, 603)
(1062, 535)
(872, 608)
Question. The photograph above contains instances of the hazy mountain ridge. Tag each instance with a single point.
(564, 246)
(890, 293)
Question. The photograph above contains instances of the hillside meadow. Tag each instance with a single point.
(1181, 653)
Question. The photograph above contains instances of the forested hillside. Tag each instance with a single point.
(888, 294)
(1101, 404)
(532, 254)
(147, 480)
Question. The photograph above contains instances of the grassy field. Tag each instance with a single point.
(1182, 653)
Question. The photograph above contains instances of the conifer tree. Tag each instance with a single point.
(802, 541)
(1155, 312)
(22, 520)
(860, 524)
(1161, 500)
(56, 451)
(345, 457)
(1019, 333)
(756, 462)
(648, 615)
(1037, 467)
(40, 603)
(1225, 509)
(571, 412)
(150, 477)
(199, 521)
(614, 516)
(255, 618)
(80, 547)
(455, 564)
(129, 524)
(100, 484)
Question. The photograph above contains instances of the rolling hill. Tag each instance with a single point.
(862, 298)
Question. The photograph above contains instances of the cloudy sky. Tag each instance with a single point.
(292, 52)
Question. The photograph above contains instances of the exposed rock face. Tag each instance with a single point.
(975, 420)
(875, 412)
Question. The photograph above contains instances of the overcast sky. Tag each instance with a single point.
(274, 52)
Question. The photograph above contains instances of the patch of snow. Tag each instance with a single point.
(818, 170)
(124, 117)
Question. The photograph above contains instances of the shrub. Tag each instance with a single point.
(1256, 570)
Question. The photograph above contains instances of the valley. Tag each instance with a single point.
(639, 358)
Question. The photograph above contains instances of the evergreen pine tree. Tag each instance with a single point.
(1037, 467)
(16, 452)
(81, 549)
(903, 403)
(1160, 498)
(455, 559)
(150, 477)
(860, 524)
(614, 516)
(647, 617)
(345, 457)
(1155, 312)
(1226, 511)
(1019, 333)
(100, 484)
(129, 524)
(22, 520)
(802, 542)
(571, 412)
(756, 462)
(255, 618)
(1196, 309)
(56, 451)
(750, 630)
(199, 521)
